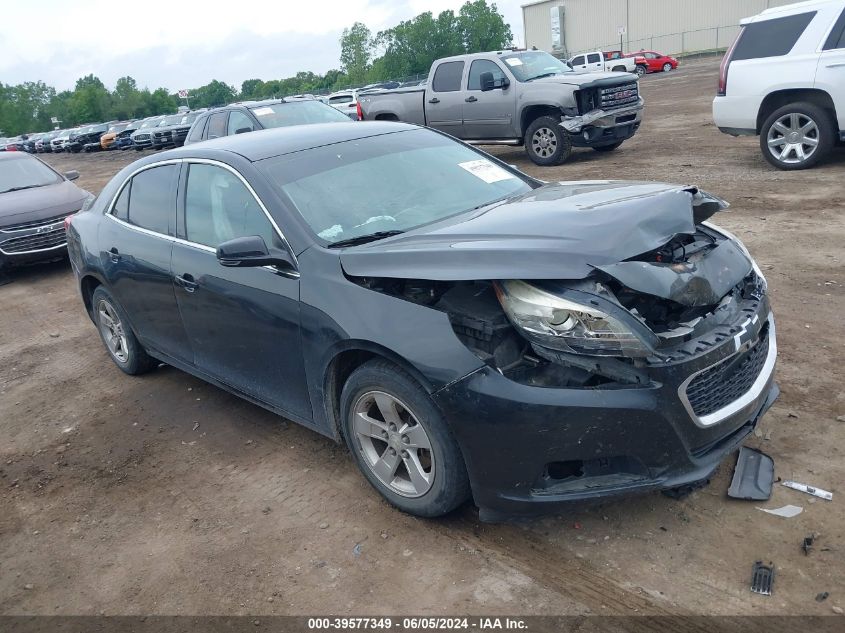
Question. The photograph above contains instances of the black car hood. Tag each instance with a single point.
(558, 231)
(40, 203)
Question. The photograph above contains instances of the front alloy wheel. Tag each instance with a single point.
(393, 444)
(796, 136)
(667, 67)
(546, 142)
(401, 440)
(641, 70)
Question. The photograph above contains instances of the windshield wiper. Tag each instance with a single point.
(363, 239)
(543, 75)
(22, 188)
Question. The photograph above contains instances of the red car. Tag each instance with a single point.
(651, 62)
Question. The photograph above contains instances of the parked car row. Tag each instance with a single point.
(641, 62)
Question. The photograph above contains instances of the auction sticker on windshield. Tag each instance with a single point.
(513, 61)
(262, 111)
(487, 171)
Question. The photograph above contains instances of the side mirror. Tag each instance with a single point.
(72, 174)
(251, 251)
(487, 82)
(243, 130)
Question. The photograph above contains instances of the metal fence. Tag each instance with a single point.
(683, 43)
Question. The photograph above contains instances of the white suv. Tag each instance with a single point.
(784, 80)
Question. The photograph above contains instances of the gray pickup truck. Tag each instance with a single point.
(517, 98)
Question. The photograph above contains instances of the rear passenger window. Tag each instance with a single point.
(447, 77)
(771, 38)
(152, 197)
(217, 125)
(593, 59)
(121, 205)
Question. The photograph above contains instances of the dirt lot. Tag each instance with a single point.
(115, 501)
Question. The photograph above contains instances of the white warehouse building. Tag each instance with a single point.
(671, 27)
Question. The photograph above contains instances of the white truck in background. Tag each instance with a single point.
(603, 61)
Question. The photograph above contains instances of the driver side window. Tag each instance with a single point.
(238, 121)
(219, 208)
(483, 66)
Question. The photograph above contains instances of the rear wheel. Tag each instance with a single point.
(797, 136)
(546, 142)
(120, 341)
(401, 442)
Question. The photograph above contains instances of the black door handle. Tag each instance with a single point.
(187, 282)
(434, 100)
(470, 99)
(114, 254)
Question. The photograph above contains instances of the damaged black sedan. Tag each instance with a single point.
(468, 331)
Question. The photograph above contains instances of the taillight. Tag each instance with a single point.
(726, 62)
(360, 112)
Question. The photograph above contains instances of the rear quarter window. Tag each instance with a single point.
(771, 38)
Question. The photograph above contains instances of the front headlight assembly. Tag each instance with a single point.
(558, 323)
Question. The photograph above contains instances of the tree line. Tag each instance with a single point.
(405, 50)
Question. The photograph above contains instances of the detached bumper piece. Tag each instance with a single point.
(753, 476)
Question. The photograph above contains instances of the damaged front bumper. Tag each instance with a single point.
(602, 127)
(565, 444)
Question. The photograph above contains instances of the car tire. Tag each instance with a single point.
(641, 70)
(121, 344)
(667, 67)
(546, 142)
(812, 123)
(426, 479)
(608, 148)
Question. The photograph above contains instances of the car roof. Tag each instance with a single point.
(263, 144)
(15, 155)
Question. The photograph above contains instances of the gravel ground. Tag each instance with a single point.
(164, 495)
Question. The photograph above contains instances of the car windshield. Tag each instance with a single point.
(118, 128)
(391, 182)
(26, 173)
(297, 113)
(152, 123)
(534, 64)
(176, 119)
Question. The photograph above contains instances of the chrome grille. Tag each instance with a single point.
(34, 224)
(720, 385)
(619, 96)
(34, 242)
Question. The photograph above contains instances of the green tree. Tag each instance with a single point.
(90, 102)
(356, 49)
(482, 27)
(253, 89)
(126, 99)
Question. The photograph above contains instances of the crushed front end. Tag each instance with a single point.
(676, 372)
(635, 349)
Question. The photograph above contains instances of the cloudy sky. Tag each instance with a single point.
(178, 44)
